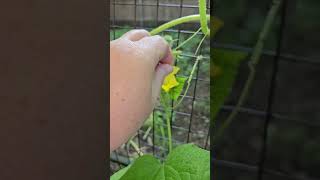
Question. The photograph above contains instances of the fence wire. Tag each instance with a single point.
(259, 168)
(190, 122)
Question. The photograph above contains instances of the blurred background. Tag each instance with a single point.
(292, 138)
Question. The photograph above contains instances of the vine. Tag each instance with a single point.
(172, 94)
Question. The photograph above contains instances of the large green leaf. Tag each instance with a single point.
(171, 173)
(186, 162)
(224, 66)
(144, 168)
(190, 161)
(120, 173)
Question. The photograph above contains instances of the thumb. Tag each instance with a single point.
(162, 71)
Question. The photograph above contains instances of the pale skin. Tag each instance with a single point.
(138, 65)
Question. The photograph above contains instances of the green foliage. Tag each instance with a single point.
(120, 173)
(186, 161)
(183, 163)
(190, 160)
(143, 168)
(176, 91)
(156, 116)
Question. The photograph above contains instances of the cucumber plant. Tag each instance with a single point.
(189, 161)
(185, 161)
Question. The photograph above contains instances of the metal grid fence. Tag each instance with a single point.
(191, 122)
(268, 116)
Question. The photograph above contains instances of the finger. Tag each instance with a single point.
(168, 59)
(155, 47)
(136, 35)
(162, 71)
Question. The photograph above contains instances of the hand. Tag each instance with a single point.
(138, 65)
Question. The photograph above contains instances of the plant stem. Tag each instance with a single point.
(191, 74)
(147, 133)
(253, 62)
(178, 21)
(164, 99)
(203, 17)
(186, 41)
(168, 118)
(135, 147)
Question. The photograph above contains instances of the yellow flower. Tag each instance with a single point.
(170, 81)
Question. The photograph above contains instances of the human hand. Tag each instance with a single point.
(138, 65)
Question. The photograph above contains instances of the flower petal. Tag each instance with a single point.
(170, 81)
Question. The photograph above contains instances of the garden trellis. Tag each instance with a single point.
(190, 121)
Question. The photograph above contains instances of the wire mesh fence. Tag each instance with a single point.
(275, 135)
(190, 121)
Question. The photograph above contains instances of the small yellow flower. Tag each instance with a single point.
(170, 81)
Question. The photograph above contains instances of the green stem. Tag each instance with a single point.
(186, 41)
(191, 74)
(135, 147)
(167, 110)
(188, 83)
(147, 133)
(168, 116)
(253, 62)
(203, 17)
(162, 134)
(178, 21)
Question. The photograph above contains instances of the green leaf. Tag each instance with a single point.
(185, 176)
(120, 173)
(177, 54)
(156, 116)
(170, 173)
(144, 168)
(186, 162)
(176, 91)
(190, 161)
(169, 39)
(225, 65)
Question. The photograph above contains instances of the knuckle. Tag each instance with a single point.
(129, 47)
(135, 31)
(160, 40)
(140, 31)
(143, 31)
